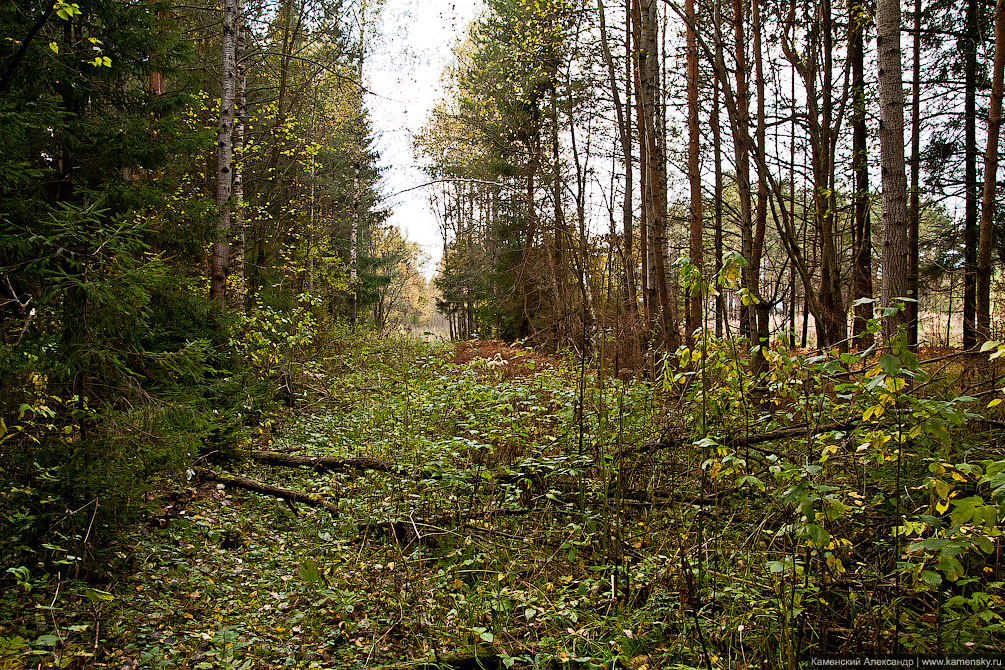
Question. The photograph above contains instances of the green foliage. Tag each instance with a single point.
(123, 374)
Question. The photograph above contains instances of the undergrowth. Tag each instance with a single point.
(540, 514)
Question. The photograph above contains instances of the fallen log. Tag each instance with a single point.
(444, 520)
(476, 658)
(319, 463)
(802, 430)
(740, 441)
(249, 484)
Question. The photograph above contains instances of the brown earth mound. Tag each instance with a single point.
(508, 361)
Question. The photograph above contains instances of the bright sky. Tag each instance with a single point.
(413, 46)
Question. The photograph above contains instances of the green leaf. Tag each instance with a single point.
(929, 544)
(931, 578)
(97, 596)
(309, 571)
(965, 508)
(47, 640)
(817, 533)
(951, 567)
(890, 364)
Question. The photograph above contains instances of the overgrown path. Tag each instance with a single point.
(470, 542)
(493, 503)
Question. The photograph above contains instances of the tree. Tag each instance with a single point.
(225, 152)
(896, 252)
(984, 269)
(862, 225)
(695, 318)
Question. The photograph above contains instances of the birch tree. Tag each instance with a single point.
(225, 154)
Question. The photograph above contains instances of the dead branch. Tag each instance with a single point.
(738, 441)
(443, 520)
(248, 484)
(319, 463)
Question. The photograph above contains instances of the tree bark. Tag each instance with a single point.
(915, 192)
(237, 244)
(741, 154)
(896, 253)
(862, 224)
(969, 42)
(656, 178)
(694, 312)
(720, 311)
(761, 309)
(990, 178)
(224, 155)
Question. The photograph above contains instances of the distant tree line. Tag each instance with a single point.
(614, 166)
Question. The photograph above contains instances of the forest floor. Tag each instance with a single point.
(459, 551)
(499, 530)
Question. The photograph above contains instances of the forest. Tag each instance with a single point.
(706, 375)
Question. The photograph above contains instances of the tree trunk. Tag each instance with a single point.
(694, 312)
(720, 312)
(862, 224)
(224, 155)
(760, 322)
(741, 152)
(237, 243)
(915, 194)
(896, 252)
(654, 166)
(353, 251)
(970, 177)
(990, 179)
(624, 119)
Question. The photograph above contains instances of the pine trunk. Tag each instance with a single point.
(896, 252)
(990, 178)
(970, 177)
(862, 224)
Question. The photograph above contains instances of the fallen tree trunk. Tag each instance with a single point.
(319, 463)
(477, 658)
(738, 441)
(249, 484)
(445, 519)
(796, 431)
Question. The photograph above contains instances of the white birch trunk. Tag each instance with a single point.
(224, 154)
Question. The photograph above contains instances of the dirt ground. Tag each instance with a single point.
(508, 360)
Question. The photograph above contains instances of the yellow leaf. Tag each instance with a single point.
(54, 47)
(994, 403)
(942, 506)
